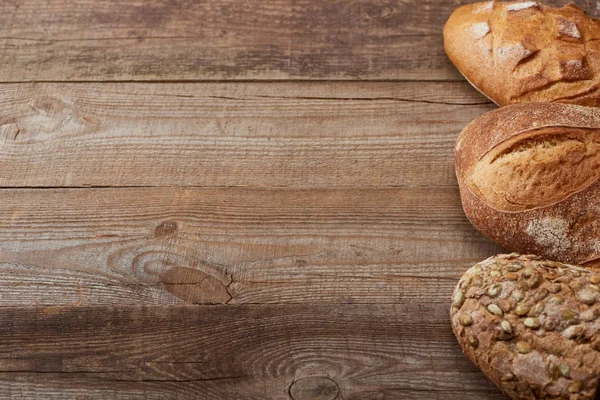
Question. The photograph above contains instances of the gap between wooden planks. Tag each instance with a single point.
(300, 135)
(58, 40)
(236, 352)
(335, 253)
(157, 246)
(168, 245)
(363, 210)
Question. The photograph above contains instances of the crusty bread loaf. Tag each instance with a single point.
(531, 326)
(522, 51)
(529, 178)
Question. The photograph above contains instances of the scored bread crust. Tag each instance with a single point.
(522, 51)
(531, 326)
(568, 228)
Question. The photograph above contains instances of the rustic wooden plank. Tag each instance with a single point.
(233, 134)
(226, 39)
(235, 245)
(236, 352)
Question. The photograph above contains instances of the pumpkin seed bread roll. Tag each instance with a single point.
(531, 326)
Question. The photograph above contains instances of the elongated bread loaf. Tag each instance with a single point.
(522, 51)
(529, 178)
(531, 326)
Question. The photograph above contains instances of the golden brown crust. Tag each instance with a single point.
(522, 51)
(531, 326)
(516, 170)
(560, 161)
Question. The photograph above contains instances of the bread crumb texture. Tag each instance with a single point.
(531, 326)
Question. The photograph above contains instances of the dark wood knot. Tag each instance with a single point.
(314, 388)
(166, 228)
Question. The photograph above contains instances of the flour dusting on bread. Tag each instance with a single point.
(522, 6)
(480, 29)
(551, 233)
(482, 7)
(568, 28)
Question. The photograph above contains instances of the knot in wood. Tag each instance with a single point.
(314, 388)
(166, 228)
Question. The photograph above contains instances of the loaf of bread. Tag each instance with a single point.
(531, 326)
(522, 51)
(529, 178)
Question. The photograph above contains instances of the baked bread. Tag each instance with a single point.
(531, 326)
(529, 178)
(522, 51)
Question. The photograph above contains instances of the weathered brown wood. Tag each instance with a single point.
(226, 39)
(250, 240)
(233, 134)
(235, 352)
(236, 245)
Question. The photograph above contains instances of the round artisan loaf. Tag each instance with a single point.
(529, 179)
(531, 326)
(522, 51)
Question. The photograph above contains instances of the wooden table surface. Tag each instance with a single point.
(232, 199)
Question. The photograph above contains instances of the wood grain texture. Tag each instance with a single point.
(235, 352)
(233, 134)
(99, 40)
(215, 246)
(281, 239)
